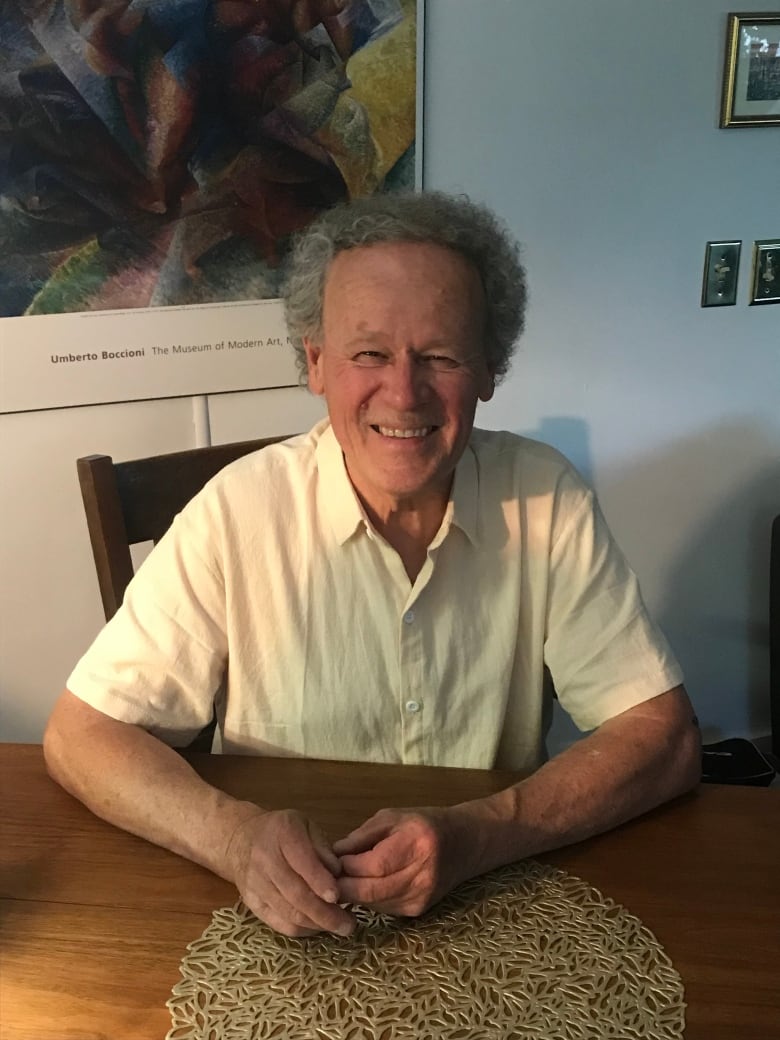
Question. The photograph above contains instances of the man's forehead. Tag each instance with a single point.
(387, 289)
(441, 262)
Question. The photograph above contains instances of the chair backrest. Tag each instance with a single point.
(136, 501)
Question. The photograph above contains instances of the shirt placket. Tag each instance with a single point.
(413, 633)
(411, 692)
(415, 713)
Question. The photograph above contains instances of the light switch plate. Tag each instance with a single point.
(766, 272)
(721, 268)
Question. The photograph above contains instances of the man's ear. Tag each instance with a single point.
(314, 365)
(487, 386)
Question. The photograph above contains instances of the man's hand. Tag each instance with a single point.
(402, 861)
(280, 862)
(286, 873)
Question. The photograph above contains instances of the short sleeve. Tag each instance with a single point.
(161, 659)
(603, 651)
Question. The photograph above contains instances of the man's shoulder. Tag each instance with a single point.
(292, 458)
(258, 484)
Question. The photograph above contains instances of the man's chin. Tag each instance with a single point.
(409, 490)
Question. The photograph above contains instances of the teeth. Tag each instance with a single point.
(389, 431)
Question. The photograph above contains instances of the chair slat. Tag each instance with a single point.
(152, 491)
(106, 526)
(135, 501)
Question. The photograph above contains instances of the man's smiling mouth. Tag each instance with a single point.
(394, 431)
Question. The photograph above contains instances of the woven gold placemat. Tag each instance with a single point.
(524, 952)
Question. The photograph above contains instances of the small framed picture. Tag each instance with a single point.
(766, 272)
(751, 74)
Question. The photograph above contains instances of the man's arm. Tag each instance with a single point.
(403, 861)
(279, 861)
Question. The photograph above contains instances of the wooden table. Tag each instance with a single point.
(95, 921)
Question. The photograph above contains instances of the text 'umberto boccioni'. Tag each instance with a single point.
(168, 351)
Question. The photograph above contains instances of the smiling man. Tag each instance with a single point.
(400, 363)
(394, 586)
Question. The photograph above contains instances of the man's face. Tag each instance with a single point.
(401, 365)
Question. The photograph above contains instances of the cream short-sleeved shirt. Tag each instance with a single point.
(273, 594)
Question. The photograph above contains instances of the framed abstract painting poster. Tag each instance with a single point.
(157, 156)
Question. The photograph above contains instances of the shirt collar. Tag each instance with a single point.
(342, 507)
(338, 500)
(464, 498)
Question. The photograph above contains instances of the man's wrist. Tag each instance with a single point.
(235, 827)
(488, 832)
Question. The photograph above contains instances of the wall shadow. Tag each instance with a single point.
(569, 435)
(704, 506)
(715, 596)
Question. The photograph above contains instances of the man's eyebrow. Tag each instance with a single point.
(367, 336)
(379, 338)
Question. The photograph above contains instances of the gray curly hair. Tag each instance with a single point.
(431, 217)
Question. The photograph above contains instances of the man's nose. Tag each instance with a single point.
(406, 382)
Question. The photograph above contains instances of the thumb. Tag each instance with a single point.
(325, 853)
(363, 838)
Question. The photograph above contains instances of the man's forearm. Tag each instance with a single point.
(135, 782)
(281, 862)
(631, 764)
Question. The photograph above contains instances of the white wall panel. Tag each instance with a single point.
(265, 413)
(49, 601)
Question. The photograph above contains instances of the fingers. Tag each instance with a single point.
(401, 873)
(307, 855)
(406, 893)
(289, 905)
(389, 856)
(326, 855)
(367, 834)
(293, 880)
(372, 890)
(285, 878)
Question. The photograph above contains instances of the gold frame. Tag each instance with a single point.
(730, 69)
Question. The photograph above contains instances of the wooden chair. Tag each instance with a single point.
(136, 501)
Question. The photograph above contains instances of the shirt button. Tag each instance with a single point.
(413, 706)
(408, 617)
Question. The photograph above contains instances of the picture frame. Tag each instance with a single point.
(765, 286)
(751, 72)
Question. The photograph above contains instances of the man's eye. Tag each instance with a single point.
(439, 362)
(369, 358)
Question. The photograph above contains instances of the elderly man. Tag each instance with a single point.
(393, 586)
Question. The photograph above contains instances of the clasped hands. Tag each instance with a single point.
(400, 861)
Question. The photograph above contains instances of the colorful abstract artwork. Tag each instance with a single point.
(162, 152)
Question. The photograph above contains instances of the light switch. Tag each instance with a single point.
(721, 267)
(766, 272)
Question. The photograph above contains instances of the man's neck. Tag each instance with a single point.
(409, 529)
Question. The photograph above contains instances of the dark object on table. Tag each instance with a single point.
(739, 761)
(735, 761)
